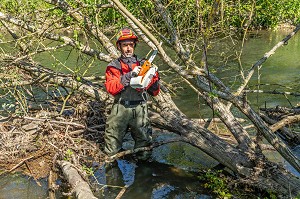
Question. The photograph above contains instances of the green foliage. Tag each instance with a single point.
(21, 6)
(279, 11)
(10, 6)
(212, 95)
(298, 196)
(216, 183)
(272, 196)
(68, 154)
(210, 15)
(8, 107)
(88, 170)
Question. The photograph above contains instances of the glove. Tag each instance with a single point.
(125, 79)
(136, 71)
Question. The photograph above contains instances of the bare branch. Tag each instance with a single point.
(164, 55)
(94, 30)
(183, 54)
(264, 58)
(85, 49)
(286, 121)
(273, 92)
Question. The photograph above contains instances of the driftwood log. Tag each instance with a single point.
(79, 186)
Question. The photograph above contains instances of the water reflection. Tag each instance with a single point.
(296, 151)
(148, 180)
(21, 187)
(128, 171)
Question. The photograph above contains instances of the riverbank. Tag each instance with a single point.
(32, 144)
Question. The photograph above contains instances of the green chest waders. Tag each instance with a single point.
(124, 114)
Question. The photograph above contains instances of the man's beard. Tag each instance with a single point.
(128, 54)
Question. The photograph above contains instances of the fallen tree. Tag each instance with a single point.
(245, 158)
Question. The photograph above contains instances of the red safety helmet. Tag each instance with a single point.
(125, 34)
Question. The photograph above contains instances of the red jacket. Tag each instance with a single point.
(118, 68)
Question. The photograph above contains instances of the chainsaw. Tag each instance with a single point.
(146, 73)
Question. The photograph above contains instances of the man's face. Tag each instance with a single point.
(127, 47)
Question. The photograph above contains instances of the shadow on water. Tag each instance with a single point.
(144, 180)
(168, 176)
(148, 180)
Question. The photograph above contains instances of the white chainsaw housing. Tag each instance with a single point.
(143, 81)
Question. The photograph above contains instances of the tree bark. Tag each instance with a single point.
(289, 136)
(79, 186)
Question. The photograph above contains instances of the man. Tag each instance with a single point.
(130, 107)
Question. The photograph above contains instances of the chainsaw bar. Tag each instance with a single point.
(153, 56)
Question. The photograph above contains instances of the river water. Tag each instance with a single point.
(281, 72)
